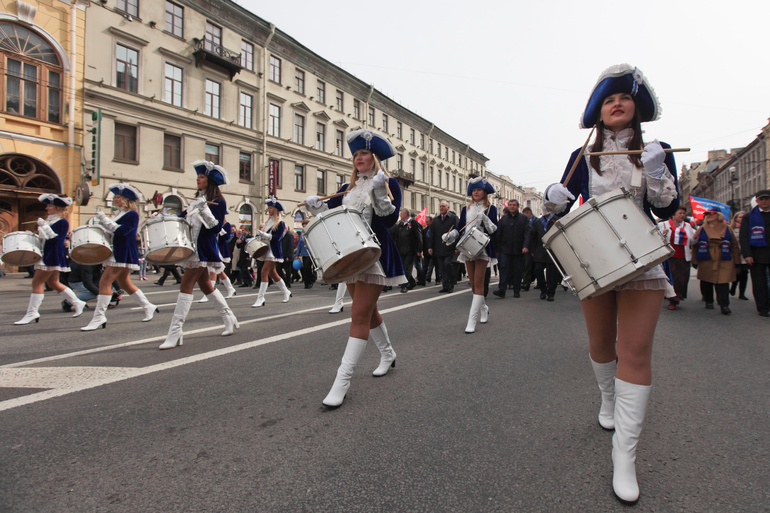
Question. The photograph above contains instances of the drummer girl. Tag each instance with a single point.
(369, 192)
(53, 231)
(206, 215)
(621, 322)
(273, 231)
(223, 238)
(125, 255)
(479, 214)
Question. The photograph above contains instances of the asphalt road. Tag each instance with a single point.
(502, 420)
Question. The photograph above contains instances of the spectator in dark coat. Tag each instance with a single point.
(546, 272)
(755, 245)
(427, 259)
(512, 242)
(407, 234)
(244, 259)
(443, 223)
(529, 269)
(287, 249)
(84, 280)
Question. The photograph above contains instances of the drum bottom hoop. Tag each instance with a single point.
(351, 264)
(260, 252)
(168, 254)
(623, 275)
(90, 254)
(21, 258)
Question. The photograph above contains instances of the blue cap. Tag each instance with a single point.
(272, 201)
(366, 139)
(127, 191)
(621, 78)
(53, 199)
(213, 171)
(480, 183)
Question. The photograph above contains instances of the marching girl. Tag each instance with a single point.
(621, 322)
(482, 215)
(272, 233)
(225, 235)
(206, 214)
(53, 231)
(368, 193)
(125, 255)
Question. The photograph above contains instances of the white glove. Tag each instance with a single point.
(107, 223)
(313, 202)
(41, 221)
(44, 230)
(449, 238)
(264, 236)
(207, 218)
(379, 179)
(653, 158)
(196, 204)
(556, 198)
(488, 224)
(222, 232)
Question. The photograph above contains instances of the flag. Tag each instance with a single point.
(701, 205)
(422, 217)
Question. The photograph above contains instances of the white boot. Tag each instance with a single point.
(32, 315)
(483, 312)
(175, 334)
(149, 309)
(605, 378)
(388, 355)
(230, 289)
(261, 295)
(285, 290)
(341, 384)
(231, 323)
(474, 315)
(77, 304)
(99, 320)
(338, 299)
(630, 409)
(205, 298)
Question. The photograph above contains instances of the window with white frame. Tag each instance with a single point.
(299, 178)
(275, 69)
(321, 182)
(174, 19)
(399, 161)
(320, 137)
(339, 144)
(212, 153)
(126, 68)
(274, 120)
(299, 81)
(245, 110)
(340, 101)
(213, 37)
(247, 55)
(172, 90)
(299, 129)
(320, 92)
(340, 180)
(211, 107)
(128, 6)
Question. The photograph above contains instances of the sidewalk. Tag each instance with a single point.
(15, 282)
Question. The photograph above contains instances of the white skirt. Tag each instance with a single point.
(195, 263)
(269, 257)
(110, 262)
(52, 268)
(375, 275)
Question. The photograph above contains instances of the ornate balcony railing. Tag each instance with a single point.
(217, 56)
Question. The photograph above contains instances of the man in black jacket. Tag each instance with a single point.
(407, 234)
(512, 241)
(84, 280)
(443, 223)
(548, 275)
(755, 246)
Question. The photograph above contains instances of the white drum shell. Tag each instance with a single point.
(167, 240)
(256, 248)
(472, 243)
(21, 249)
(90, 244)
(605, 243)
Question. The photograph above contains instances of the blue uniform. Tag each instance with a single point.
(124, 249)
(54, 252)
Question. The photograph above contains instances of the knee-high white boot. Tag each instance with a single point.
(475, 311)
(229, 286)
(341, 384)
(175, 334)
(32, 314)
(605, 378)
(228, 317)
(261, 295)
(99, 320)
(387, 354)
(338, 299)
(630, 409)
(484, 311)
(205, 298)
(77, 304)
(285, 290)
(149, 309)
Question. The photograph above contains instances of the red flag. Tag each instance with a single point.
(422, 217)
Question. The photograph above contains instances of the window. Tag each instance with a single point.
(412, 166)
(453, 156)
(172, 91)
(299, 81)
(371, 116)
(299, 129)
(126, 68)
(439, 179)
(246, 217)
(299, 178)
(399, 161)
(454, 183)
(431, 175)
(275, 69)
(439, 150)
(340, 101)
(447, 180)
(174, 19)
(213, 37)
(125, 142)
(422, 141)
(212, 99)
(385, 123)
(247, 55)
(356, 109)
(411, 136)
(339, 182)
(172, 152)
(128, 6)
(321, 181)
(431, 146)
(320, 92)
(399, 130)
(422, 171)
(446, 152)
(274, 123)
(244, 167)
(320, 137)
(339, 144)
(245, 107)
(414, 200)
(27, 92)
(212, 153)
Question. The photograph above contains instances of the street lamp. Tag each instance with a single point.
(733, 179)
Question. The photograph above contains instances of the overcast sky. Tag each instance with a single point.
(511, 78)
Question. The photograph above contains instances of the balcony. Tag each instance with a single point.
(216, 56)
(404, 178)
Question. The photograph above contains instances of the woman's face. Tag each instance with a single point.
(478, 194)
(711, 217)
(202, 181)
(51, 209)
(679, 216)
(363, 161)
(118, 202)
(738, 219)
(618, 111)
(271, 211)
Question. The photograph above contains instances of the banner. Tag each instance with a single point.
(422, 217)
(701, 205)
(272, 178)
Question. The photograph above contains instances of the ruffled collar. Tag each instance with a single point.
(52, 218)
(620, 139)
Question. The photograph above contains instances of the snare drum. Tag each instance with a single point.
(21, 249)
(256, 248)
(605, 243)
(472, 243)
(90, 244)
(341, 243)
(167, 240)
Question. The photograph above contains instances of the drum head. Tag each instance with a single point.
(21, 258)
(260, 252)
(169, 254)
(90, 254)
(351, 264)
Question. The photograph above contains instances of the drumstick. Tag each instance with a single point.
(327, 197)
(208, 202)
(29, 222)
(580, 155)
(634, 152)
(466, 224)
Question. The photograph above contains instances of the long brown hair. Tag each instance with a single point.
(212, 191)
(131, 204)
(635, 144)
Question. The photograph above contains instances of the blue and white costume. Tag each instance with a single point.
(123, 226)
(206, 222)
(473, 213)
(273, 235)
(54, 234)
(224, 237)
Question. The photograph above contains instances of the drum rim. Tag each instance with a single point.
(342, 209)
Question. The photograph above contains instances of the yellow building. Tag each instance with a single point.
(41, 132)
